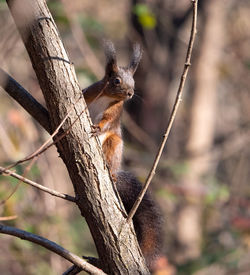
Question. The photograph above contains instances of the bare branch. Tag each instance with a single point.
(75, 269)
(8, 218)
(52, 246)
(25, 99)
(173, 113)
(27, 169)
(46, 145)
(36, 185)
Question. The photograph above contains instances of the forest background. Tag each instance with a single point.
(202, 180)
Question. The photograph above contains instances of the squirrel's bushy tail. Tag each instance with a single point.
(147, 219)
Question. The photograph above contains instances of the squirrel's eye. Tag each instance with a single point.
(117, 81)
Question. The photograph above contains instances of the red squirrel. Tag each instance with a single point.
(105, 100)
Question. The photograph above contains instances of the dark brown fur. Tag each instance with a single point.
(147, 220)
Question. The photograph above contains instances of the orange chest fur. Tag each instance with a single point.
(106, 112)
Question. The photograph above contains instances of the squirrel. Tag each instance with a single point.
(105, 100)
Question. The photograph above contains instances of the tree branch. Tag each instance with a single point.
(173, 113)
(36, 185)
(25, 99)
(73, 270)
(118, 250)
(52, 246)
(8, 218)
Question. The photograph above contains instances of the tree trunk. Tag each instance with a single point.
(115, 240)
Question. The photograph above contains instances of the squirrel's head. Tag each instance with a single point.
(120, 79)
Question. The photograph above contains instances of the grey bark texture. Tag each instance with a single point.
(115, 240)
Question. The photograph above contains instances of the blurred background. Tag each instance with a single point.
(202, 182)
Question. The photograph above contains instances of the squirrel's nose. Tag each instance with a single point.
(130, 93)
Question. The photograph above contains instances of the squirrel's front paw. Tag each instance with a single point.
(95, 130)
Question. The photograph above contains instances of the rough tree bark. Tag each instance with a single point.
(115, 240)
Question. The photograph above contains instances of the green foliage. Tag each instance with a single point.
(86, 74)
(42, 268)
(78, 227)
(3, 5)
(213, 255)
(178, 169)
(20, 245)
(92, 28)
(247, 64)
(34, 171)
(168, 195)
(217, 192)
(58, 13)
(146, 17)
(90, 24)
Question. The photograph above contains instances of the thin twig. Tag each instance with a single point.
(173, 113)
(8, 218)
(45, 146)
(34, 108)
(38, 186)
(27, 169)
(52, 246)
(73, 270)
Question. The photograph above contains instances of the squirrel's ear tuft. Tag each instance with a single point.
(136, 57)
(110, 53)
